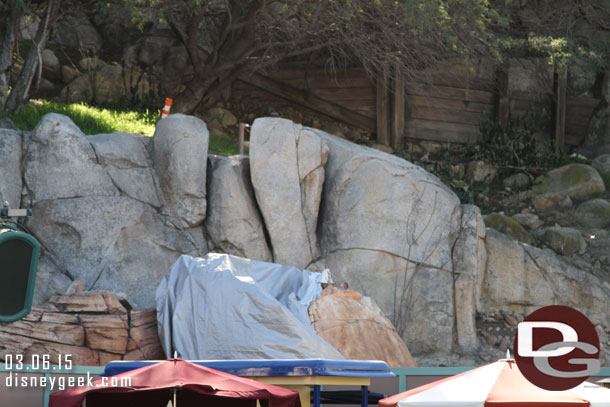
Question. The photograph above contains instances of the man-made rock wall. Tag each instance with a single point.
(94, 328)
(116, 210)
(388, 228)
(233, 223)
(287, 163)
(99, 208)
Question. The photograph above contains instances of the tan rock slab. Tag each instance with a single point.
(357, 328)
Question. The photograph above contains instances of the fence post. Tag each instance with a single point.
(382, 107)
(503, 101)
(559, 93)
(398, 107)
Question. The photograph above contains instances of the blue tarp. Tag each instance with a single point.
(270, 367)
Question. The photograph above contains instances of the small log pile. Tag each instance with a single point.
(93, 327)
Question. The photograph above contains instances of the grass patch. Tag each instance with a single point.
(224, 143)
(97, 120)
(90, 119)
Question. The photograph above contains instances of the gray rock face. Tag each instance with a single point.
(602, 164)
(566, 241)
(10, 167)
(51, 68)
(479, 171)
(180, 149)
(77, 32)
(233, 221)
(107, 84)
(115, 243)
(6, 123)
(60, 163)
(95, 210)
(594, 213)
(597, 140)
(551, 201)
(509, 227)
(528, 220)
(125, 159)
(578, 181)
(526, 278)
(287, 165)
(382, 213)
(469, 262)
(50, 280)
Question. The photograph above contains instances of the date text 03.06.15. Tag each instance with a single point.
(37, 362)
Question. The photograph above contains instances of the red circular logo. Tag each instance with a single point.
(556, 348)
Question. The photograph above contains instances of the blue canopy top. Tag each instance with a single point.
(275, 367)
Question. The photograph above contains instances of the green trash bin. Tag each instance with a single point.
(19, 253)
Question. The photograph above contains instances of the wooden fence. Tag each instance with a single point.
(445, 104)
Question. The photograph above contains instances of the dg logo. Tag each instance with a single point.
(557, 348)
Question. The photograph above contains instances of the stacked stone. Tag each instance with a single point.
(92, 327)
(498, 329)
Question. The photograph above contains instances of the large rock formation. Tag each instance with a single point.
(382, 213)
(287, 163)
(469, 262)
(523, 278)
(10, 167)
(597, 140)
(180, 151)
(60, 163)
(233, 221)
(116, 211)
(127, 162)
(95, 205)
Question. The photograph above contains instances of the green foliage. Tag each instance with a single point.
(223, 143)
(91, 120)
(95, 120)
(513, 143)
(568, 33)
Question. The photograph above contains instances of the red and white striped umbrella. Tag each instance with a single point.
(499, 384)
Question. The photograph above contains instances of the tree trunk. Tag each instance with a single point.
(12, 21)
(33, 62)
(236, 44)
(597, 138)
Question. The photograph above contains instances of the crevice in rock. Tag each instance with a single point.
(105, 258)
(454, 342)
(302, 190)
(412, 262)
(544, 274)
(97, 157)
(25, 147)
(185, 233)
(62, 198)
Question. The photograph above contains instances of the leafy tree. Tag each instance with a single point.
(574, 33)
(224, 38)
(13, 11)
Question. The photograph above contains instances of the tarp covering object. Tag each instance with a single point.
(227, 307)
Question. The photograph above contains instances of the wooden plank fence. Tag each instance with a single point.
(445, 104)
